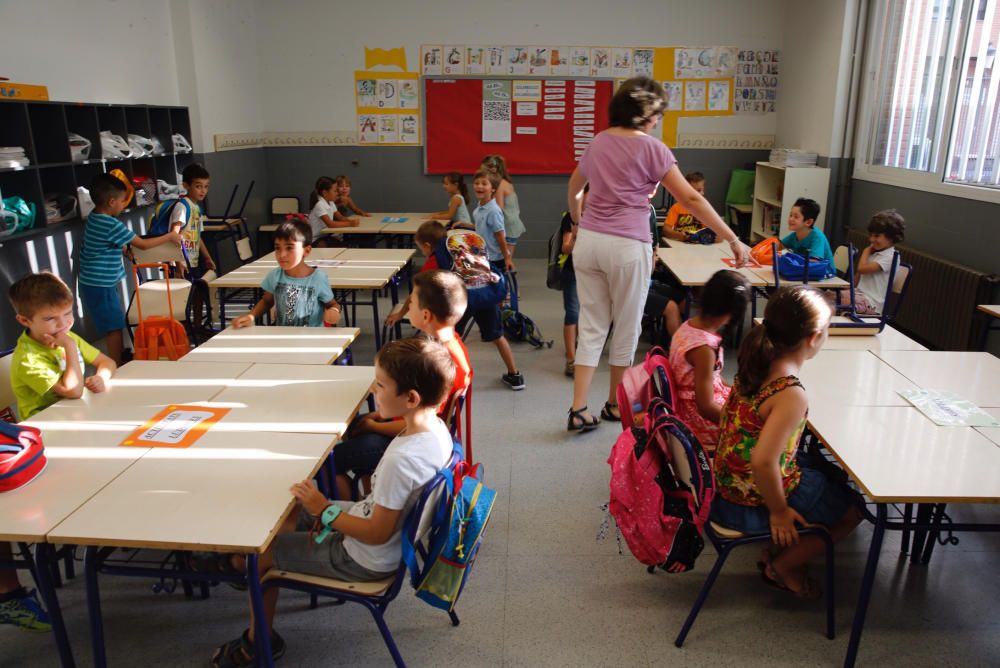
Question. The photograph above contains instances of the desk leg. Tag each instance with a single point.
(261, 634)
(377, 323)
(920, 535)
(871, 567)
(932, 535)
(43, 560)
(222, 308)
(91, 564)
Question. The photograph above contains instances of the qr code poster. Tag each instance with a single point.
(496, 121)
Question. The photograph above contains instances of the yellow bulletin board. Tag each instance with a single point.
(665, 71)
(388, 108)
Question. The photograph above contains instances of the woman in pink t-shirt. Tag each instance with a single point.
(613, 256)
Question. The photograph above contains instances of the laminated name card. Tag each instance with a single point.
(947, 409)
(175, 427)
(390, 219)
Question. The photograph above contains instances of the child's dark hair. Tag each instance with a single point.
(808, 207)
(194, 171)
(103, 187)
(442, 293)
(323, 183)
(490, 175)
(694, 177)
(888, 222)
(637, 101)
(37, 291)
(793, 313)
(430, 232)
(495, 162)
(419, 364)
(727, 292)
(459, 181)
(294, 229)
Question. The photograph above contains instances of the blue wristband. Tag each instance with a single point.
(330, 513)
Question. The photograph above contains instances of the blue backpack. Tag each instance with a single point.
(794, 266)
(159, 222)
(455, 534)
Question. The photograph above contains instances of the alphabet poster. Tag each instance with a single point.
(388, 103)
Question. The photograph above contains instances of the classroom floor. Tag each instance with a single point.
(544, 592)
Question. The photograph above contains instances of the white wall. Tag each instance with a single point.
(91, 50)
(308, 49)
(815, 76)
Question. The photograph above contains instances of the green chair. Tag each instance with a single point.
(739, 201)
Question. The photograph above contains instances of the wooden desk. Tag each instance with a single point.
(888, 339)
(835, 282)
(275, 345)
(413, 221)
(974, 376)
(853, 378)
(271, 261)
(286, 398)
(368, 225)
(993, 311)
(376, 257)
(694, 264)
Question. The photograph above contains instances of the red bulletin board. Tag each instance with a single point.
(453, 112)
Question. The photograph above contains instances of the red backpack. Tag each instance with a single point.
(641, 384)
(661, 490)
(22, 455)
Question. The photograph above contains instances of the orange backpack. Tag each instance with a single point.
(763, 251)
(158, 336)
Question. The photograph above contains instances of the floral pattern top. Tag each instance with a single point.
(741, 425)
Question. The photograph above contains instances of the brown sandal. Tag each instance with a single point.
(578, 423)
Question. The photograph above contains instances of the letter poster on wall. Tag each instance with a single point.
(551, 122)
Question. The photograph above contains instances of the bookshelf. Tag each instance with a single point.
(776, 188)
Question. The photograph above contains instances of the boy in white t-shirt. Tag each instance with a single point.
(362, 541)
(885, 230)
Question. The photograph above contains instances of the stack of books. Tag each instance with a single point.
(792, 157)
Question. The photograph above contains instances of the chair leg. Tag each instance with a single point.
(68, 563)
(904, 546)
(702, 595)
(390, 643)
(828, 541)
(313, 601)
(455, 621)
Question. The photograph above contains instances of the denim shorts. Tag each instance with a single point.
(817, 498)
(511, 241)
(104, 307)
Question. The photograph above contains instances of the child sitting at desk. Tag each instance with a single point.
(680, 223)
(761, 482)
(804, 238)
(300, 293)
(436, 303)
(457, 213)
(361, 541)
(885, 230)
(696, 359)
(346, 205)
(323, 212)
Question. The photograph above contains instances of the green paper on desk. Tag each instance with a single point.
(947, 409)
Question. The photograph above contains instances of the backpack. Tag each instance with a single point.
(553, 276)
(763, 251)
(641, 384)
(22, 455)
(661, 490)
(519, 327)
(795, 267)
(159, 222)
(705, 236)
(464, 253)
(460, 519)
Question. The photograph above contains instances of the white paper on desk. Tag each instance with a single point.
(947, 409)
(172, 429)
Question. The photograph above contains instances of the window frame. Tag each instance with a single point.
(932, 180)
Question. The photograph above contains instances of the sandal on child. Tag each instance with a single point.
(809, 591)
(577, 422)
(606, 413)
(240, 652)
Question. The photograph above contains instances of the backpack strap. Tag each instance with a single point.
(409, 553)
(772, 388)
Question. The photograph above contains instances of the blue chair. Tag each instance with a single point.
(374, 596)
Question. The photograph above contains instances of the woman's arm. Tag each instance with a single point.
(699, 207)
(568, 241)
(702, 359)
(577, 181)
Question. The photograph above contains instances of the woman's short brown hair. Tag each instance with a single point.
(637, 101)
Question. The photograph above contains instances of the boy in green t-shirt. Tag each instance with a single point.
(49, 359)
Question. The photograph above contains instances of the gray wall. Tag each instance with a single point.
(392, 179)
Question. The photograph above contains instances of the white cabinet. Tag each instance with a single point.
(774, 192)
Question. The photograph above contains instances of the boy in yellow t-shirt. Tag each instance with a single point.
(681, 223)
(49, 359)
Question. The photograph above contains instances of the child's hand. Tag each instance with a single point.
(245, 320)
(59, 339)
(96, 384)
(174, 238)
(309, 497)
(393, 318)
(331, 315)
(508, 263)
(783, 531)
(355, 222)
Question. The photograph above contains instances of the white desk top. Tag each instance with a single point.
(368, 225)
(974, 376)
(140, 388)
(275, 345)
(232, 501)
(887, 339)
(767, 273)
(852, 378)
(992, 433)
(896, 454)
(376, 257)
(271, 262)
(295, 398)
(990, 309)
(413, 221)
(81, 462)
(351, 275)
(694, 264)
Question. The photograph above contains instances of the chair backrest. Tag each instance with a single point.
(842, 259)
(900, 283)
(741, 183)
(167, 252)
(284, 204)
(8, 400)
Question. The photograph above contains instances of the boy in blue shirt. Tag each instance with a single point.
(804, 238)
(101, 266)
(300, 294)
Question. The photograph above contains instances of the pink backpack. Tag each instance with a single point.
(661, 490)
(641, 383)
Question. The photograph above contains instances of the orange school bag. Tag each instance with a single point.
(763, 252)
(158, 336)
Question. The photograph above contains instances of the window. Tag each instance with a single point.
(931, 118)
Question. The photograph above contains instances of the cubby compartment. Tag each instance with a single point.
(14, 130)
(137, 121)
(58, 190)
(144, 180)
(159, 128)
(85, 173)
(81, 119)
(48, 132)
(166, 169)
(180, 123)
(112, 119)
(23, 184)
(183, 160)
